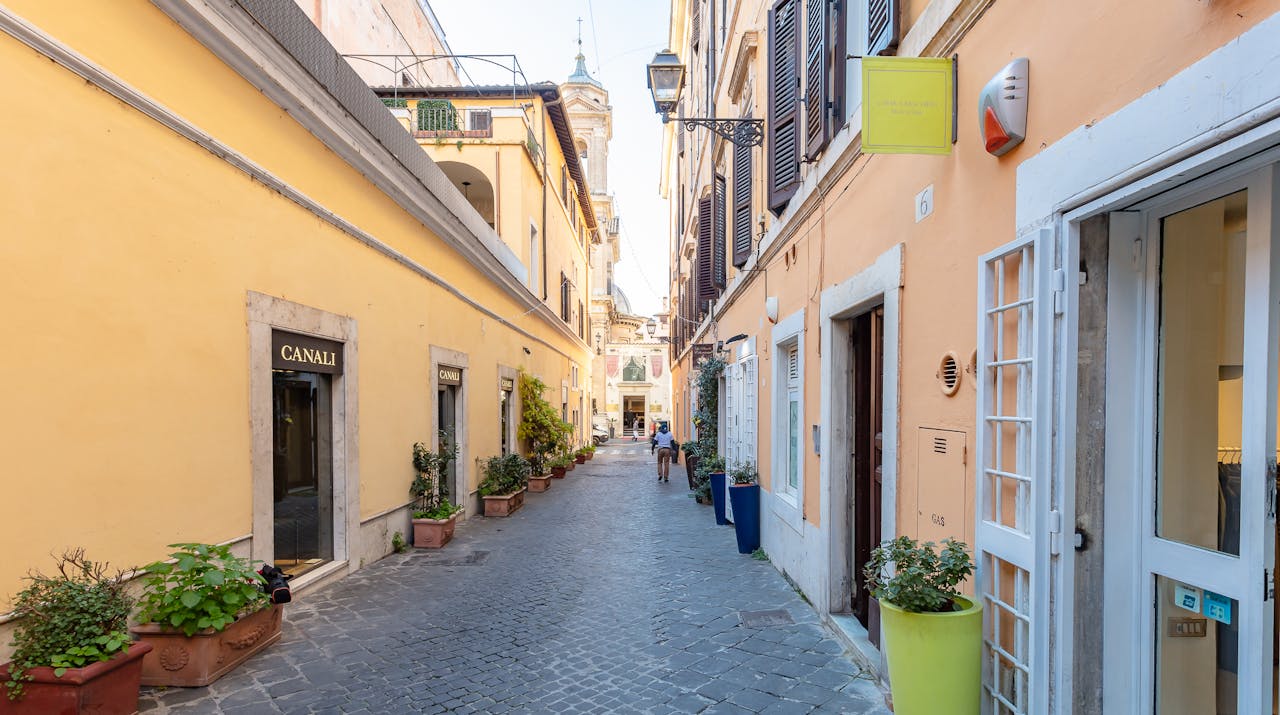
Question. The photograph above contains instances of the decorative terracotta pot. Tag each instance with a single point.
(571, 466)
(558, 472)
(590, 455)
(503, 505)
(107, 687)
(540, 484)
(580, 459)
(433, 533)
(195, 661)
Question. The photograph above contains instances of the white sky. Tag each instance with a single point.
(543, 36)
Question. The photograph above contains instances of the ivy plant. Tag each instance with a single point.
(540, 423)
(73, 618)
(706, 415)
(205, 586)
(429, 488)
(919, 578)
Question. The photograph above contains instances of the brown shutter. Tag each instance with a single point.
(784, 86)
(838, 38)
(706, 252)
(742, 236)
(720, 234)
(817, 125)
(882, 27)
(695, 27)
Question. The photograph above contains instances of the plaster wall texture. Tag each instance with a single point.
(132, 342)
(1087, 61)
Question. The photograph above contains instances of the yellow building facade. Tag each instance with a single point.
(238, 301)
(928, 346)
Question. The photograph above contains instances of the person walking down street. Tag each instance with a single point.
(665, 443)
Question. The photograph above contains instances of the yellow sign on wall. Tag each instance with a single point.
(907, 105)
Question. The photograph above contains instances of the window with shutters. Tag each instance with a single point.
(787, 416)
(564, 297)
(564, 185)
(695, 24)
(783, 131)
(480, 120)
(720, 233)
(743, 242)
(883, 27)
(707, 291)
(817, 76)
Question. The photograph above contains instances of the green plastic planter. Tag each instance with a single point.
(935, 659)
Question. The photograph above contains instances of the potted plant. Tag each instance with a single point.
(559, 465)
(504, 483)
(434, 516)
(744, 496)
(580, 455)
(205, 612)
(540, 424)
(717, 484)
(590, 449)
(571, 461)
(539, 478)
(933, 635)
(72, 650)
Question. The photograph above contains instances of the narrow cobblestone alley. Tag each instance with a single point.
(608, 594)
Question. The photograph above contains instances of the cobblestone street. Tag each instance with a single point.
(608, 594)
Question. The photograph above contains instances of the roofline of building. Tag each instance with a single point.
(551, 98)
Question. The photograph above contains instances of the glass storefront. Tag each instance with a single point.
(303, 470)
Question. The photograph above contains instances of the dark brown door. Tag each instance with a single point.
(867, 458)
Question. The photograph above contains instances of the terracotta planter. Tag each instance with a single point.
(540, 484)
(558, 472)
(198, 660)
(433, 533)
(590, 455)
(109, 687)
(503, 505)
(580, 459)
(571, 466)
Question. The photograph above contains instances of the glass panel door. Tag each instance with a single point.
(303, 470)
(1210, 487)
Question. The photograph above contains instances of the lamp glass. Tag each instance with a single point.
(666, 79)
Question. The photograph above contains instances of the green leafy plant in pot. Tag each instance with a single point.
(72, 649)
(205, 611)
(933, 634)
(540, 423)
(434, 516)
(503, 486)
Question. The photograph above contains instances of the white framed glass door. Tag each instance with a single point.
(1204, 503)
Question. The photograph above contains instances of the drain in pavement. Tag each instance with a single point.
(475, 557)
(765, 619)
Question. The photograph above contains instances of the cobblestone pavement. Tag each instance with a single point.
(610, 593)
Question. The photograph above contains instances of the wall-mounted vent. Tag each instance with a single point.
(949, 374)
(940, 445)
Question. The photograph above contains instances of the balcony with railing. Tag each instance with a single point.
(440, 119)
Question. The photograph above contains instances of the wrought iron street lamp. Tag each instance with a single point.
(651, 326)
(666, 80)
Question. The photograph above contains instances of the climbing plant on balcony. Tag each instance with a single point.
(540, 423)
(437, 115)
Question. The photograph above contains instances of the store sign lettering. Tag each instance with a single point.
(293, 353)
(450, 376)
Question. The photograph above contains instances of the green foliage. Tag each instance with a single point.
(441, 511)
(918, 577)
(207, 587)
(398, 544)
(76, 617)
(744, 473)
(705, 420)
(437, 115)
(429, 488)
(759, 555)
(504, 475)
(562, 461)
(540, 423)
(394, 102)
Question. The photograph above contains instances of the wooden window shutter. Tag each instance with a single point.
(883, 27)
(720, 234)
(706, 252)
(742, 235)
(695, 26)
(784, 88)
(817, 124)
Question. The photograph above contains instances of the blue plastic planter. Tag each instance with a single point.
(719, 482)
(746, 516)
